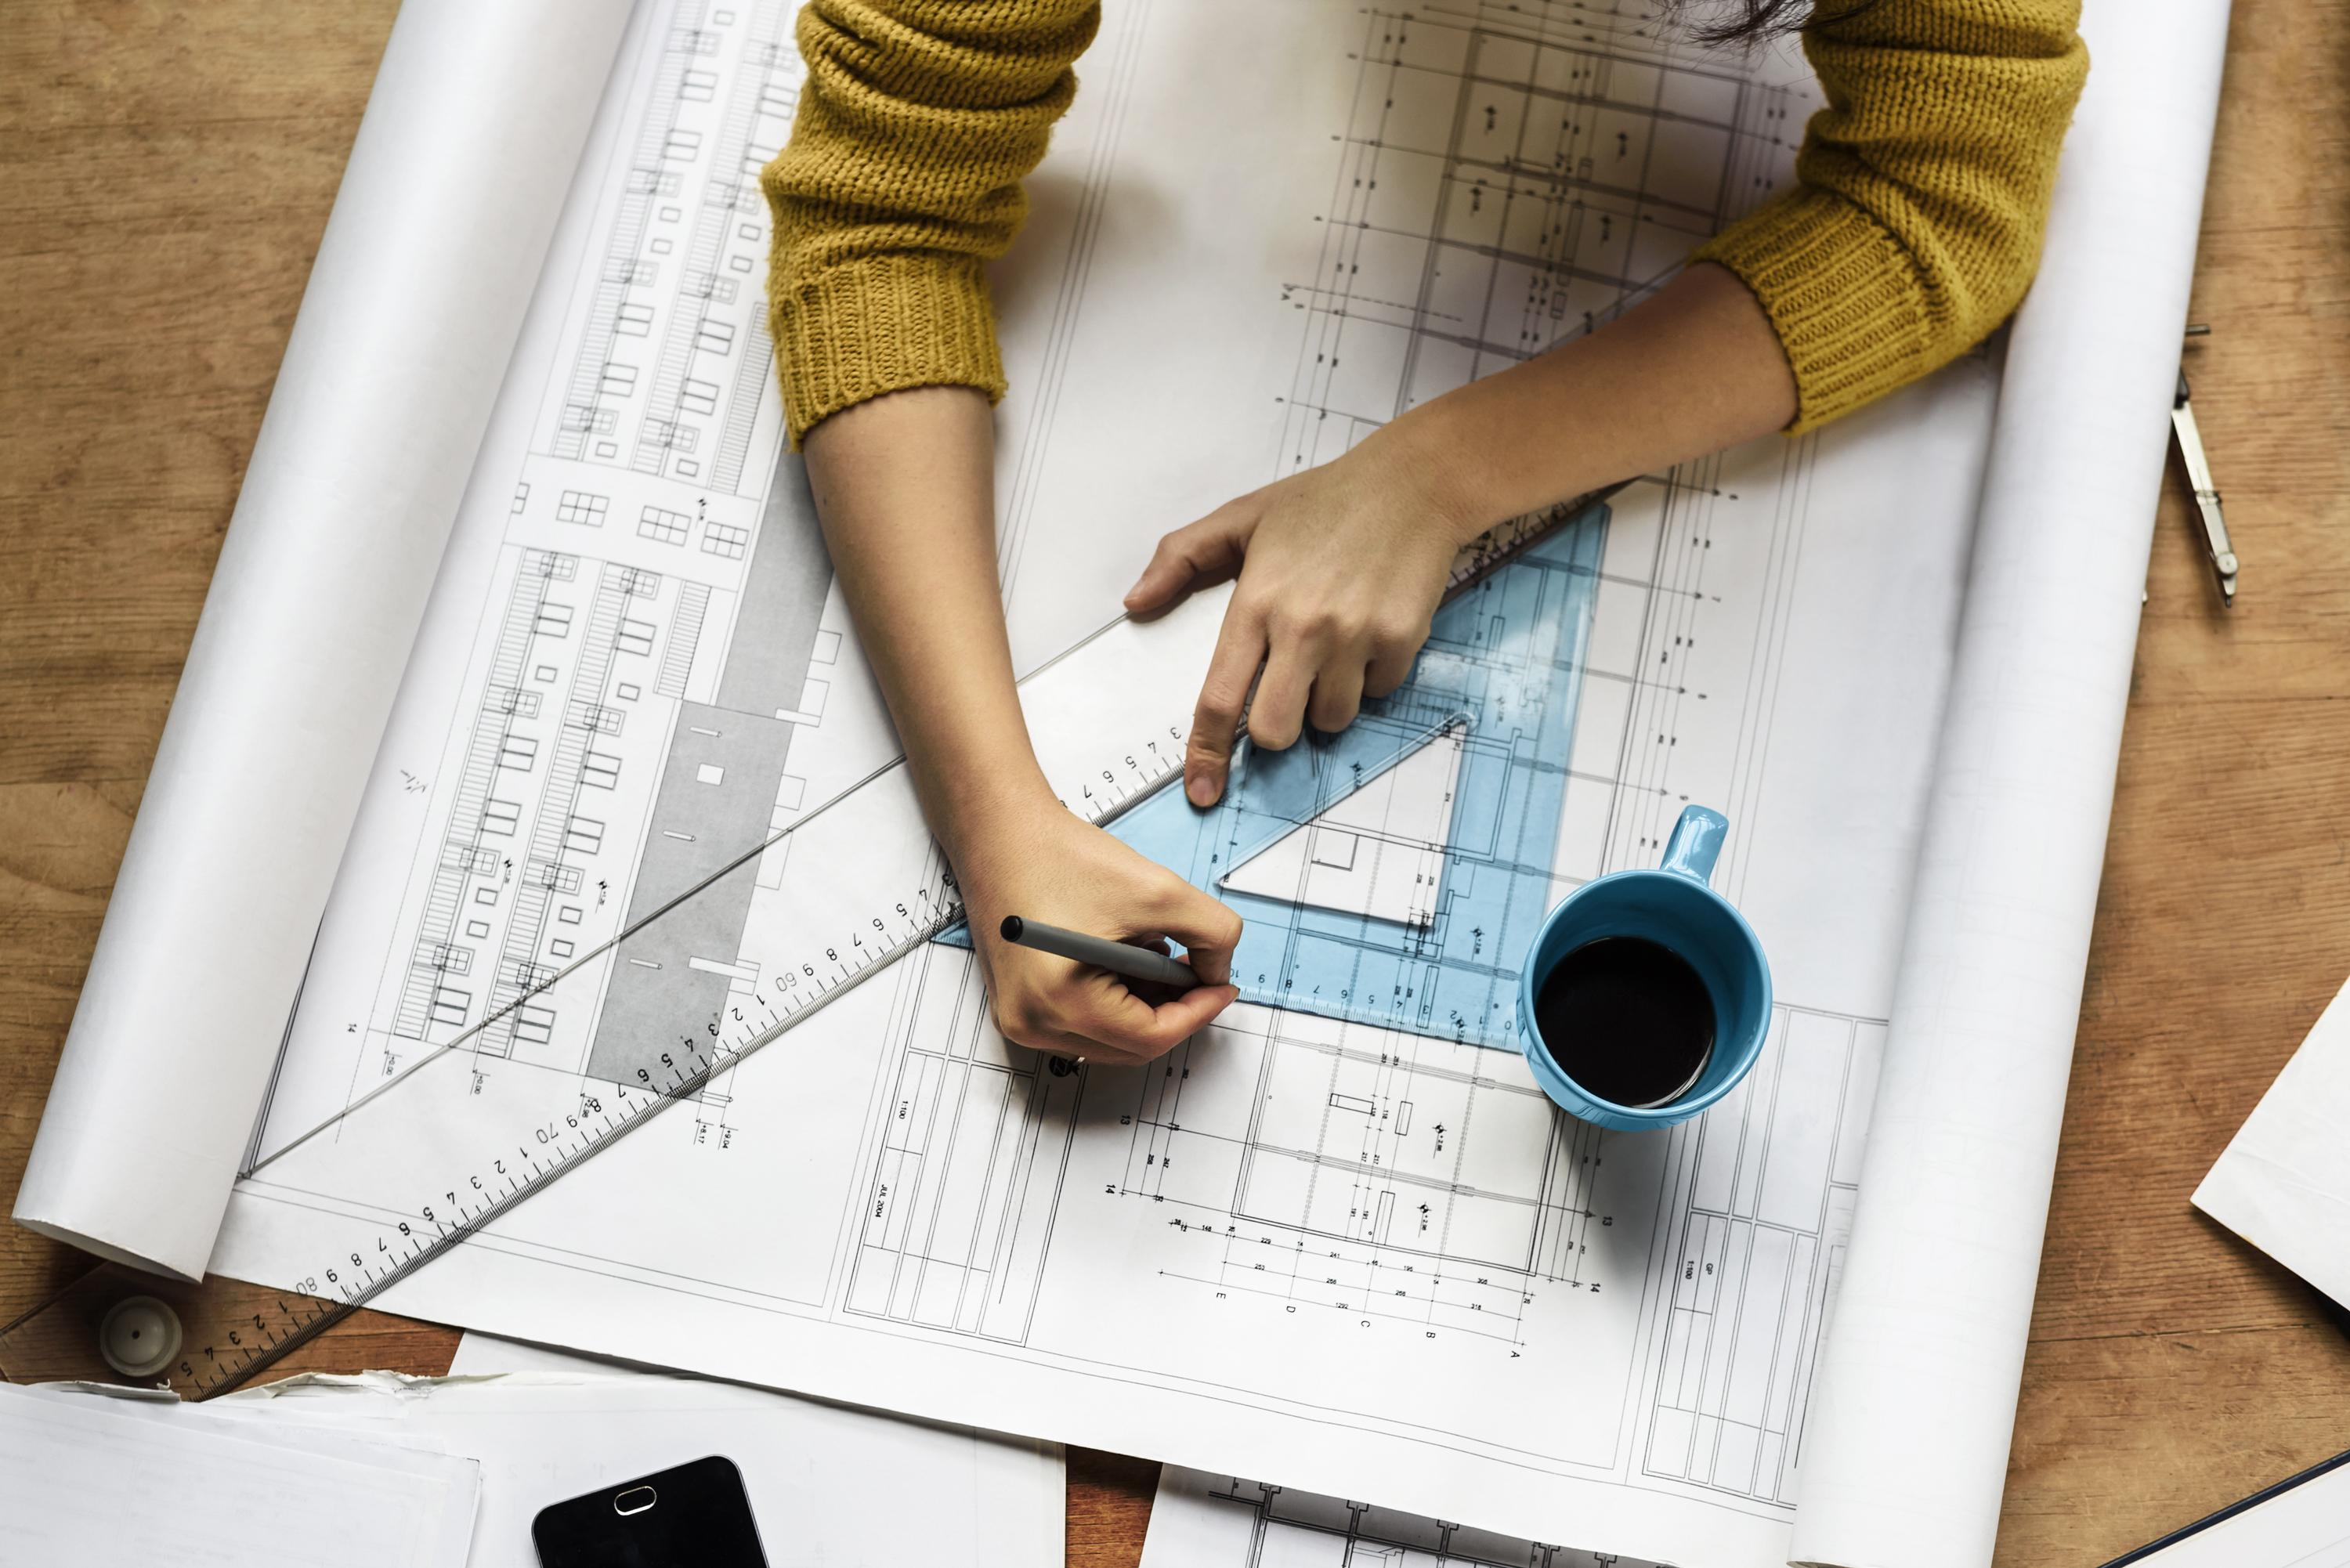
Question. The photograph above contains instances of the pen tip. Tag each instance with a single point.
(1011, 928)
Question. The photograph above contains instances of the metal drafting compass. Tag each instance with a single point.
(2188, 440)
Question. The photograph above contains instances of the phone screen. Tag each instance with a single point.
(695, 1516)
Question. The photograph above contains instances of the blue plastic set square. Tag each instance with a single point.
(1395, 873)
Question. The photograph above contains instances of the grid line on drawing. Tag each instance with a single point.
(1760, 1243)
(1349, 1173)
(1768, 654)
(582, 507)
(961, 1203)
(684, 636)
(1060, 337)
(743, 406)
(1645, 806)
(1576, 167)
(669, 528)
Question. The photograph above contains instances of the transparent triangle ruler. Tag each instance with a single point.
(1394, 873)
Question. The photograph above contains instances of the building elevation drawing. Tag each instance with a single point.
(1347, 1250)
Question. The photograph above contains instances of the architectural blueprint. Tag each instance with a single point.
(1357, 1260)
(597, 762)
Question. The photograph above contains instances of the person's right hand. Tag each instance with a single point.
(1038, 861)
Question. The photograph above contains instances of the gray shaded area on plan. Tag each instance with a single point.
(767, 659)
(656, 996)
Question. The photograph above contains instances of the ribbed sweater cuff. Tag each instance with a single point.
(1843, 295)
(882, 324)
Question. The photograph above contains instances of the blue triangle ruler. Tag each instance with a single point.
(1395, 873)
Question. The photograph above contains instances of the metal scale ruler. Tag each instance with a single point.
(494, 1151)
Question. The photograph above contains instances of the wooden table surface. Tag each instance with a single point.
(167, 170)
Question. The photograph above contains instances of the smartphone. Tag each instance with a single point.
(696, 1515)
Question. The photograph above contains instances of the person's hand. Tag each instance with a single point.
(1340, 569)
(1037, 860)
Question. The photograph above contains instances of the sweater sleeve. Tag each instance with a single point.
(899, 183)
(1922, 191)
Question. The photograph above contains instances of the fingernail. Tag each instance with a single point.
(1201, 789)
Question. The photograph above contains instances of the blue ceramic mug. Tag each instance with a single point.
(1674, 907)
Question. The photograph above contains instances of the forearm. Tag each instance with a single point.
(1694, 369)
(1922, 191)
(905, 487)
(901, 180)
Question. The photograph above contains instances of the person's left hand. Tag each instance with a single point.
(1340, 569)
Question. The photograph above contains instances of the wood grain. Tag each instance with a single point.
(2171, 1368)
(169, 170)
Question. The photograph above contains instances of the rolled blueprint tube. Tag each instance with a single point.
(475, 125)
(1906, 1450)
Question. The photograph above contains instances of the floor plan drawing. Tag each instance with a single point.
(969, 1175)
(1512, 176)
(1392, 1175)
(1769, 1211)
(1337, 1248)
(1400, 1181)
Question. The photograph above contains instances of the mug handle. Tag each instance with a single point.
(1696, 843)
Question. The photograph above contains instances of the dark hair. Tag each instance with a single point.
(1750, 21)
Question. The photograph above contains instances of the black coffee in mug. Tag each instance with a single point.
(1628, 1018)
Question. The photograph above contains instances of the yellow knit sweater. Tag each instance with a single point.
(1912, 230)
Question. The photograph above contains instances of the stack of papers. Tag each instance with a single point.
(105, 1482)
(380, 1470)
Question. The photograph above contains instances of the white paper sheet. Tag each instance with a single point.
(827, 1484)
(892, 1207)
(2284, 1181)
(1908, 1452)
(430, 257)
(101, 1483)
